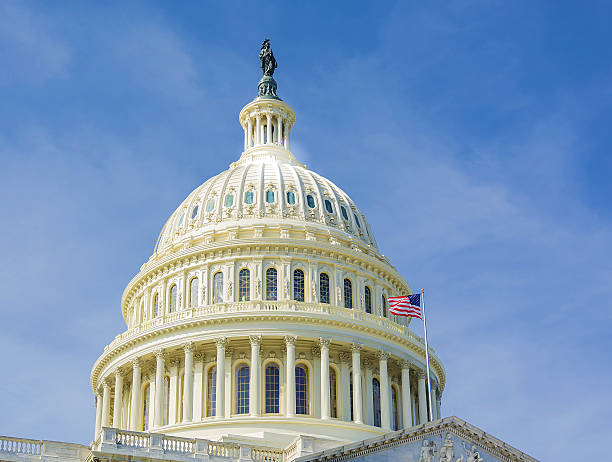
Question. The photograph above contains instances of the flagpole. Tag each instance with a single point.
(429, 403)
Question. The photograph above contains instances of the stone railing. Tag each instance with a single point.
(141, 444)
(20, 446)
(254, 306)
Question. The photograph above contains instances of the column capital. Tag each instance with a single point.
(106, 383)
(159, 354)
(221, 342)
(383, 355)
(290, 339)
(405, 364)
(117, 372)
(188, 347)
(255, 340)
(136, 363)
(421, 374)
(324, 342)
(356, 347)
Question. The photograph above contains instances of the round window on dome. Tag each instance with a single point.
(194, 212)
(310, 200)
(269, 196)
(328, 206)
(344, 214)
(248, 197)
(181, 219)
(211, 205)
(290, 198)
(229, 200)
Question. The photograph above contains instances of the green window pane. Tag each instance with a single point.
(310, 200)
(269, 196)
(211, 205)
(290, 198)
(229, 200)
(248, 197)
(181, 219)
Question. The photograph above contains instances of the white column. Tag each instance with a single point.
(384, 390)
(188, 383)
(118, 405)
(258, 130)
(106, 404)
(287, 131)
(197, 386)
(368, 417)
(268, 129)
(406, 401)
(135, 412)
(325, 396)
(290, 342)
(98, 415)
(249, 133)
(254, 396)
(174, 392)
(346, 386)
(159, 388)
(433, 402)
(220, 385)
(422, 394)
(439, 405)
(279, 135)
(357, 383)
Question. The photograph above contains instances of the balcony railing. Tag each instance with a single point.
(20, 446)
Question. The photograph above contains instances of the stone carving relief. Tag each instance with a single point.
(446, 452)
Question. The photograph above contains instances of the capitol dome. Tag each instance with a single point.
(262, 313)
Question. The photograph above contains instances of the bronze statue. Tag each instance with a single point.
(268, 63)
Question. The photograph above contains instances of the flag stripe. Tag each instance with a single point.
(407, 305)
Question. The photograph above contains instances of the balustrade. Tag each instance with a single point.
(20, 446)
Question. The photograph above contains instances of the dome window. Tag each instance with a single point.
(248, 197)
(229, 200)
(269, 196)
(344, 214)
(195, 212)
(181, 219)
(328, 206)
(357, 220)
(211, 205)
(290, 198)
(310, 200)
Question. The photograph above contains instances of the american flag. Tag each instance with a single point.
(408, 305)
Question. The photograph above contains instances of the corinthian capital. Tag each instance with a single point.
(255, 340)
(383, 355)
(324, 342)
(159, 354)
(188, 347)
(356, 347)
(221, 342)
(290, 339)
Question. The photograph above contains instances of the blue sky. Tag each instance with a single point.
(474, 135)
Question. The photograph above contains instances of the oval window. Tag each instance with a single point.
(269, 196)
(311, 202)
(344, 214)
(181, 219)
(210, 206)
(328, 206)
(357, 220)
(229, 200)
(248, 197)
(195, 212)
(290, 198)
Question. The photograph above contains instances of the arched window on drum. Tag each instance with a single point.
(271, 284)
(218, 287)
(301, 390)
(324, 288)
(272, 388)
(211, 392)
(368, 299)
(244, 285)
(194, 288)
(298, 285)
(376, 402)
(173, 294)
(242, 389)
(348, 293)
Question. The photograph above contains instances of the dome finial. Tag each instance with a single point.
(267, 85)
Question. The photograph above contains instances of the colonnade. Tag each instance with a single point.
(370, 387)
(271, 128)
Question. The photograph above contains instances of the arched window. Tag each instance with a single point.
(272, 389)
(166, 402)
(218, 287)
(384, 305)
(298, 285)
(194, 288)
(348, 293)
(376, 403)
(155, 305)
(333, 393)
(324, 288)
(271, 284)
(368, 299)
(394, 410)
(172, 307)
(146, 407)
(211, 392)
(244, 285)
(242, 389)
(301, 389)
